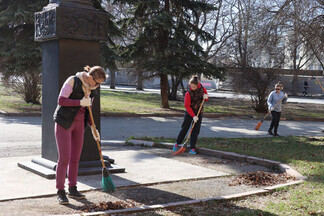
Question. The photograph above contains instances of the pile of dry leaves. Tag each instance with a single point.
(104, 206)
(261, 178)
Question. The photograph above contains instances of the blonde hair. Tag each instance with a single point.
(96, 72)
(279, 84)
(194, 80)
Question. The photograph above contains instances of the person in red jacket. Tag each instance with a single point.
(193, 99)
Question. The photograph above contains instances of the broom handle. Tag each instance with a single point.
(195, 122)
(320, 84)
(274, 107)
(95, 131)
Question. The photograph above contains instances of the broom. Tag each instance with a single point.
(319, 82)
(183, 148)
(107, 183)
(257, 127)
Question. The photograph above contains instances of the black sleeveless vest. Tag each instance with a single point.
(196, 99)
(64, 115)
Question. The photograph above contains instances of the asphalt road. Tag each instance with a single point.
(22, 134)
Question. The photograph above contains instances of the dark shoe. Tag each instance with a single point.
(276, 135)
(270, 132)
(74, 193)
(63, 200)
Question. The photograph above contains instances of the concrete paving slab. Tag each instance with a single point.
(141, 168)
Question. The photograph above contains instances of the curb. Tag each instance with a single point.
(309, 119)
(26, 114)
(108, 114)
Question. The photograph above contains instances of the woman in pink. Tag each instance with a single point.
(70, 118)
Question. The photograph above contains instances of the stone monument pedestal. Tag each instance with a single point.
(70, 31)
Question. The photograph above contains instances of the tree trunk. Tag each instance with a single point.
(294, 84)
(112, 79)
(164, 77)
(139, 81)
(175, 84)
(183, 88)
(164, 90)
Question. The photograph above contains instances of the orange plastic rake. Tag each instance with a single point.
(183, 147)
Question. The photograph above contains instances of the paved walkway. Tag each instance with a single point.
(141, 168)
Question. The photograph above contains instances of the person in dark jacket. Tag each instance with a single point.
(70, 118)
(305, 88)
(275, 100)
(193, 99)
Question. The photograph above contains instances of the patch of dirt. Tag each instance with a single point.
(104, 206)
(261, 178)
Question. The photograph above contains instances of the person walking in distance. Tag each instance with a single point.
(193, 99)
(275, 100)
(305, 88)
(71, 117)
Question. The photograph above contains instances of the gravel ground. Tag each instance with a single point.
(138, 196)
(145, 195)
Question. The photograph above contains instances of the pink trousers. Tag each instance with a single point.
(69, 145)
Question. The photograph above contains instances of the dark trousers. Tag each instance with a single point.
(185, 127)
(275, 121)
(305, 91)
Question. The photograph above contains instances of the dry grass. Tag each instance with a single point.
(125, 102)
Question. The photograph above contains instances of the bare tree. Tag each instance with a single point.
(313, 30)
(302, 33)
(218, 24)
(256, 82)
(256, 51)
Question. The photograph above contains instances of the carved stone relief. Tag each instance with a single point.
(67, 22)
(45, 24)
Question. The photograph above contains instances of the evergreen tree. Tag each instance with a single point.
(108, 49)
(20, 56)
(167, 41)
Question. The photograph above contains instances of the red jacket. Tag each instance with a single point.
(187, 101)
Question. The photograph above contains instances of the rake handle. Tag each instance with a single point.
(193, 125)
